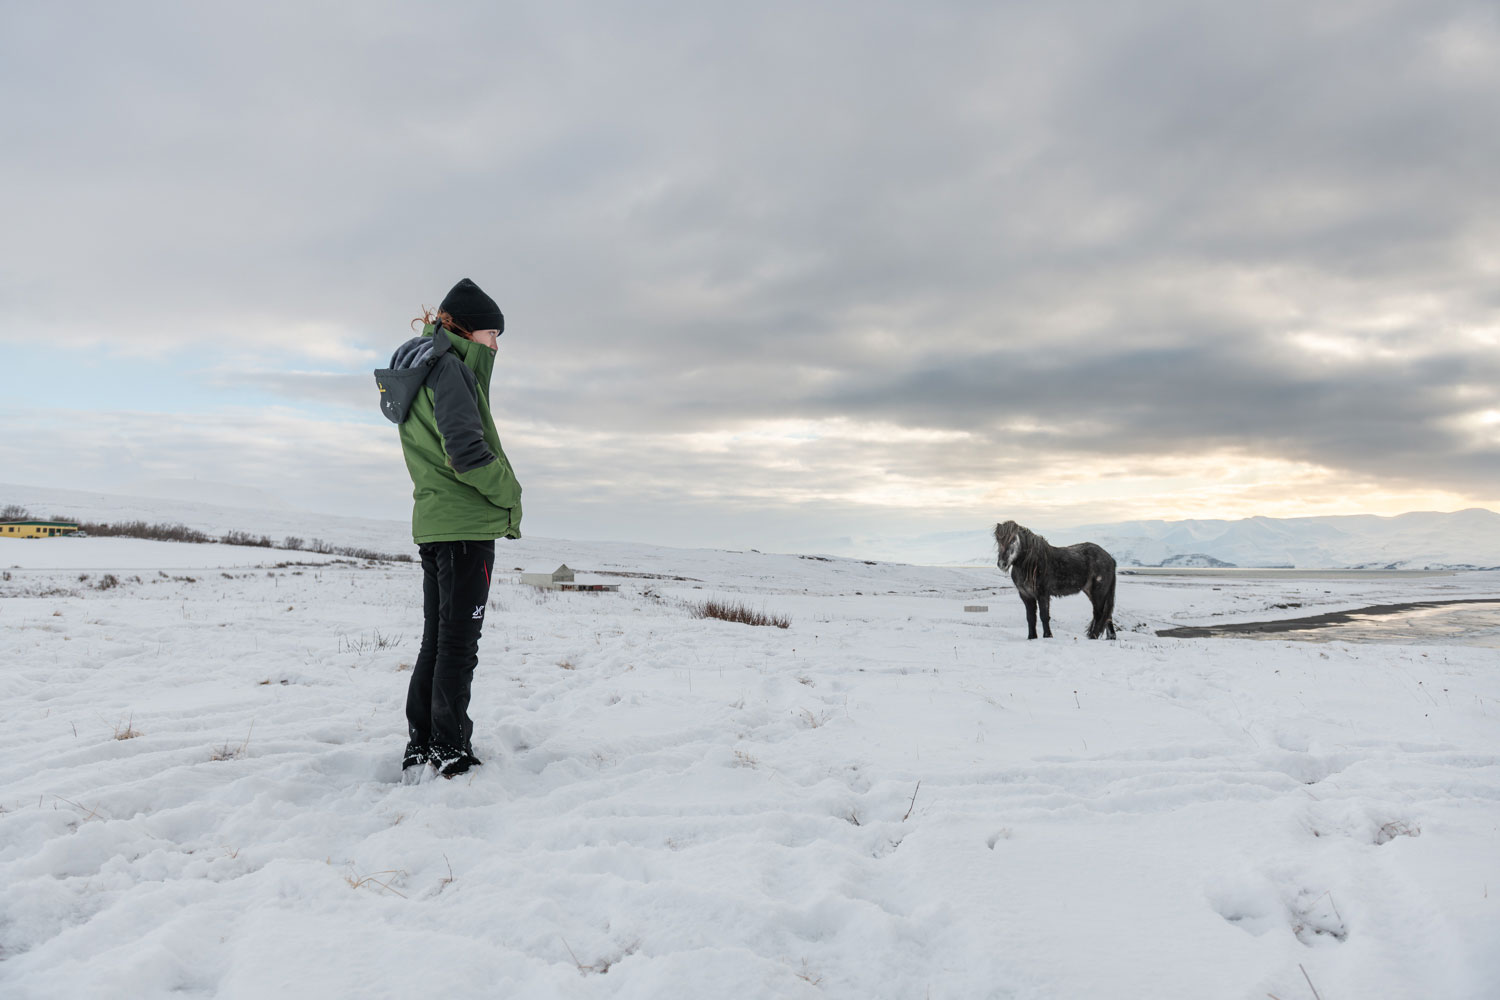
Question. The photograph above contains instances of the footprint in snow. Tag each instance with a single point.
(1255, 905)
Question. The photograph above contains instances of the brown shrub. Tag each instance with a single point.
(737, 612)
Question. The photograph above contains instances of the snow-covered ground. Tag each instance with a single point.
(199, 787)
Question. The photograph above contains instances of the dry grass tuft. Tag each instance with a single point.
(126, 732)
(603, 965)
(358, 881)
(814, 721)
(808, 976)
(737, 612)
(89, 813)
(227, 752)
(376, 640)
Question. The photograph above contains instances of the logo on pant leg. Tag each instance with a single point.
(478, 612)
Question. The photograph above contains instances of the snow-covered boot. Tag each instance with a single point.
(416, 755)
(450, 760)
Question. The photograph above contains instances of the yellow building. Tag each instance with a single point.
(36, 529)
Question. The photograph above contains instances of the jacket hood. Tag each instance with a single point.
(410, 366)
(416, 359)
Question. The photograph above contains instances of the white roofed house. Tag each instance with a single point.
(548, 579)
(563, 578)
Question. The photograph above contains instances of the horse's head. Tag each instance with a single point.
(1010, 538)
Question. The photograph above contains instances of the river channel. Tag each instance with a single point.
(1465, 622)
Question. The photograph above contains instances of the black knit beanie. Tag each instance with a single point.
(471, 308)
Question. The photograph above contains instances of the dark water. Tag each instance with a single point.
(1455, 625)
(1460, 623)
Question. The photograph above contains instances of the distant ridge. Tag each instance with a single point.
(1459, 540)
(1464, 539)
(1196, 560)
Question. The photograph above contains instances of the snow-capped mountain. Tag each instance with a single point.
(1419, 540)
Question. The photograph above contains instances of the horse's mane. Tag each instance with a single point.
(1032, 557)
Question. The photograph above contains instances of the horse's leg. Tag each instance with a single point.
(1044, 601)
(1030, 603)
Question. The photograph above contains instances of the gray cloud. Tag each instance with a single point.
(1068, 233)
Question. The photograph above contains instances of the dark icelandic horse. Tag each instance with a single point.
(1041, 571)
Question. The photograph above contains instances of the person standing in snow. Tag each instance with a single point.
(437, 391)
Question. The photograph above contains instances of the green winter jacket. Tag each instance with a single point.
(437, 391)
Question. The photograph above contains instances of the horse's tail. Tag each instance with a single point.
(1103, 598)
(1108, 607)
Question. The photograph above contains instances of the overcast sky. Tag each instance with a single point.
(857, 278)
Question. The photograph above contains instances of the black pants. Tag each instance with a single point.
(455, 591)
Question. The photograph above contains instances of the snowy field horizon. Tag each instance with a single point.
(894, 796)
(1417, 540)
